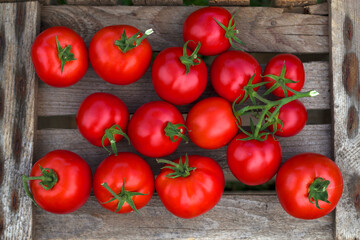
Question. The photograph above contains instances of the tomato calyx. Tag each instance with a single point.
(48, 180)
(110, 134)
(191, 60)
(262, 111)
(122, 197)
(125, 44)
(180, 169)
(318, 191)
(172, 130)
(64, 54)
(230, 32)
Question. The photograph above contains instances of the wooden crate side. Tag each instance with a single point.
(261, 29)
(345, 52)
(19, 25)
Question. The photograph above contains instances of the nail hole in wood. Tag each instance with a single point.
(352, 122)
(350, 73)
(348, 32)
(14, 201)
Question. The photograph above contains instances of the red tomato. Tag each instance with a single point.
(148, 129)
(99, 112)
(299, 176)
(110, 59)
(170, 80)
(70, 178)
(211, 123)
(194, 193)
(63, 65)
(201, 26)
(254, 162)
(126, 168)
(231, 72)
(294, 71)
(293, 116)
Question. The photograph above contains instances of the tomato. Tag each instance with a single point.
(60, 182)
(230, 73)
(171, 80)
(211, 123)
(156, 129)
(196, 190)
(120, 58)
(294, 71)
(102, 114)
(130, 179)
(254, 162)
(201, 26)
(59, 56)
(309, 185)
(293, 116)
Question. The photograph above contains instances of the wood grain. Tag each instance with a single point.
(157, 2)
(293, 3)
(261, 29)
(92, 2)
(230, 2)
(234, 217)
(313, 138)
(345, 52)
(318, 9)
(66, 101)
(19, 25)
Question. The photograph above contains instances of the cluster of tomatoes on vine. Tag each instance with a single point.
(308, 185)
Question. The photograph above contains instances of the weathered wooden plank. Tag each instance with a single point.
(66, 101)
(92, 2)
(19, 25)
(230, 2)
(158, 2)
(235, 217)
(313, 138)
(261, 29)
(318, 9)
(293, 3)
(345, 52)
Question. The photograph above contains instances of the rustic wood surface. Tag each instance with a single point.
(293, 3)
(318, 9)
(313, 138)
(234, 217)
(230, 2)
(345, 43)
(158, 2)
(92, 2)
(261, 29)
(66, 101)
(19, 25)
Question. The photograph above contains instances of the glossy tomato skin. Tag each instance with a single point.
(294, 71)
(98, 112)
(146, 128)
(231, 72)
(113, 170)
(172, 83)
(73, 187)
(201, 26)
(110, 63)
(211, 123)
(293, 116)
(254, 162)
(44, 55)
(191, 196)
(293, 181)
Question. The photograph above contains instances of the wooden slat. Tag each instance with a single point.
(92, 2)
(345, 52)
(230, 2)
(261, 29)
(313, 138)
(157, 2)
(234, 217)
(318, 9)
(293, 3)
(19, 25)
(66, 101)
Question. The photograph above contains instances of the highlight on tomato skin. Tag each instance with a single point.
(309, 185)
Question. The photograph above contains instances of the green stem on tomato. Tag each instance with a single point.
(180, 169)
(110, 134)
(125, 44)
(191, 60)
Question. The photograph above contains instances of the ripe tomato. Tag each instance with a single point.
(59, 56)
(201, 26)
(99, 118)
(309, 185)
(120, 54)
(197, 189)
(294, 71)
(60, 182)
(231, 72)
(254, 162)
(156, 129)
(211, 123)
(123, 183)
(293, 116)
(171, 80)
